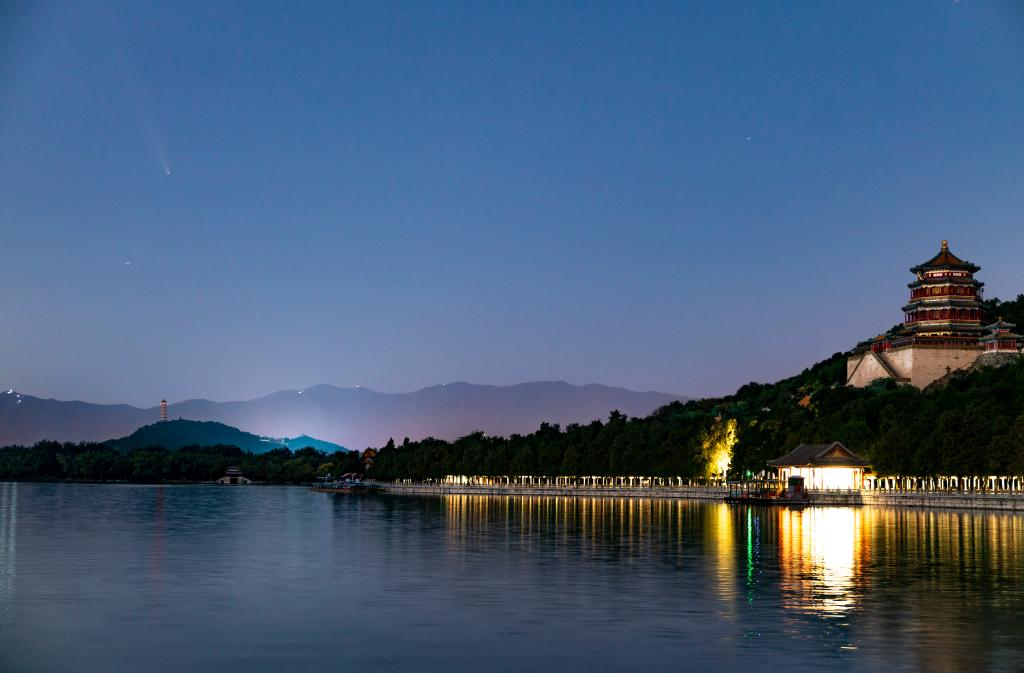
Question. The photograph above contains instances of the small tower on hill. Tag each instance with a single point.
(163, 411)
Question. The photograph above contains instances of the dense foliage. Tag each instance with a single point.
(1010, 311)
(974, 425)
(102, 462)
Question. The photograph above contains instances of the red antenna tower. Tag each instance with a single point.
(163, 411)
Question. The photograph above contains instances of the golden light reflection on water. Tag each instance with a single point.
(722, 540)
(833, 562)
(629, 523)
(821, 554)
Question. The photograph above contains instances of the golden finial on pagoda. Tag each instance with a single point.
(945, 244)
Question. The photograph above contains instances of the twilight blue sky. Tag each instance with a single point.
(223, 199)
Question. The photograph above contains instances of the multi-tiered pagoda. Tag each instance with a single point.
(941, 331)
(945, 303)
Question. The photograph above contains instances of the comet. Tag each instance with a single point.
(149, 125)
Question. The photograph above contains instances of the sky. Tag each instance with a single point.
(225, 199)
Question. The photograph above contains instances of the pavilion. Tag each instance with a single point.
(1001, 338)
(823, 466)
(233, 475)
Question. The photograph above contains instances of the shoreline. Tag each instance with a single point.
(124, 482)
(1003, 502)
(992, 502)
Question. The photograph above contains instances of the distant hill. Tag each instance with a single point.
(305, 441)
(176, 434)
(353, 417)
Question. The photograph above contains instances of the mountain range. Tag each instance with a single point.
(355, 417)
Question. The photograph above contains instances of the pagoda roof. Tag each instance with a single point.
(939, 280)
(1000, 324)
(935, 299)
(945, 260)
(988, 338)
(820, 455)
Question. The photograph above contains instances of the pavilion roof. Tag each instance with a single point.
(820, 455)
(945, 260)
(1000, 324)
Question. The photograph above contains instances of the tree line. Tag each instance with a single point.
(91, 461)
(974, 425)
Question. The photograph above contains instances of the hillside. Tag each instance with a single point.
(353, 417)
(974, 424)
(307, 442)
(181, 433)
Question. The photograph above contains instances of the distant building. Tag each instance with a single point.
(163, 411)
(1001, 339)
(233, 475)
(941, 331)
(822, 466)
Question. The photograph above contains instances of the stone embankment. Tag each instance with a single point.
(1003, 501)
(679, 492)
(945, 499)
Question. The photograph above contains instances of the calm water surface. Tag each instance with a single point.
(202, 578)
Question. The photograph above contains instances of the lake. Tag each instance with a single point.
(206, 578)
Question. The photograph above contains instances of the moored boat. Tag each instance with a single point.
(346, 483)
(769, 492)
